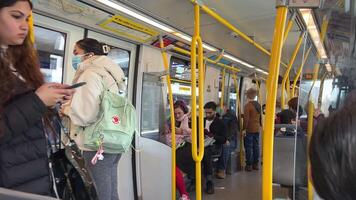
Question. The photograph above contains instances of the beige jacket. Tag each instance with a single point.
(83, 110)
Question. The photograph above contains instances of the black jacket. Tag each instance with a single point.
(23, 145)
(218, 129)
(231, 123)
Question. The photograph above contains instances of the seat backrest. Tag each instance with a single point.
(283, 161)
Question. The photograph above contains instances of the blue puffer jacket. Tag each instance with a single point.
(23, 144)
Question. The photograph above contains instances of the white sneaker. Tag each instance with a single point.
(184, 197)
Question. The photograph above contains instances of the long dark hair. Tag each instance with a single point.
(332, 154)
(23, 58)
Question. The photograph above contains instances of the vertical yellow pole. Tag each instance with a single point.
(222, 89)
(267, 170)
(296, 78)
(310, 132)
(197, 154)
(171, 108)
(290, 64)
(31, 31)
(320, 98)
(289, 27)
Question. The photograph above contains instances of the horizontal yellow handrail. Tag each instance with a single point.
(171, 107)
(233, 28)
(183, 51)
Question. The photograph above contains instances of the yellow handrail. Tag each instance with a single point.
(272, 84)
(289, 27)
(197, 154)
(168, 77)
(180, 81)
(31, 31)
(310, 132)
(234, 29)
(238, 104)
(183, 51)
(286, 75)
(222, 89)
(300, 71)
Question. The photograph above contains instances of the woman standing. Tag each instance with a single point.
(98, 71)
(24, 100)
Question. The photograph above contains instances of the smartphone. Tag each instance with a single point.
(76, 85)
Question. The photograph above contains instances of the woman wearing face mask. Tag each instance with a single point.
(96, 69)
(25, 105)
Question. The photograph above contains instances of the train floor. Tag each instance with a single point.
(242, 185)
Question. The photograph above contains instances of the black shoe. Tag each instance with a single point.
(191, 186)
(210, 187)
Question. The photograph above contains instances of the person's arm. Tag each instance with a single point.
(21, 113)
(246, 116)
(85, 104)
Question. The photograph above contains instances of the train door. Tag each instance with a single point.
(57, 54)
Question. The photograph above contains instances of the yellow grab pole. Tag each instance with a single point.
(289, 27)
(197, 154)
(183, 51)
(238, 104)
(300, 71)
(272, 83)
(31, 31)
(168, 77)
(310, 132)
(288, 89)
(234, 29)
(286, 75)
(222, 89)
(219, 57)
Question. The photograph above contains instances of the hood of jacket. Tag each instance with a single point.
(102, 65)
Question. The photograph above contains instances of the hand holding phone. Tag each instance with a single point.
(76, 85)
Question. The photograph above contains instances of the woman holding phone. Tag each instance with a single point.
(98, 71)
(26, 102)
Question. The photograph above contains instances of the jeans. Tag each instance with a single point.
(224, 157)
(104, 173)
(252, 148)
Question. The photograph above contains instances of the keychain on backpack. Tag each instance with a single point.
(99, 154)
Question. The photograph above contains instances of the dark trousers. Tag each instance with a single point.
(186, 163)
(252, 148)
(224, 157)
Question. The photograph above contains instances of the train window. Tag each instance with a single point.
(50, 45)
(122, 58)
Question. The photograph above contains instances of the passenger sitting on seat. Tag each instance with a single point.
(230, 120)
(288, 116)
(183, 134)
(332, 153)
(215, 128)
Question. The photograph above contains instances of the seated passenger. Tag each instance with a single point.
(214, 129)
(288, 116)
(332, 153)
(183, 134)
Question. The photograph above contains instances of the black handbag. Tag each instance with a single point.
(71, 179)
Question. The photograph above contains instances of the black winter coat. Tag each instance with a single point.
(23, 144)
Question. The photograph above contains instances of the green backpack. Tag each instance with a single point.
(116, 125)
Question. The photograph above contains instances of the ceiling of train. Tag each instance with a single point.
(253, 17)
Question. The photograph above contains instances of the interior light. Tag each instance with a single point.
(152, 22)
(135, 15)
(238, 61)
(313, 32)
